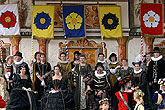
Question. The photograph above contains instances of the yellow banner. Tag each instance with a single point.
(110, 21)
(42, 23)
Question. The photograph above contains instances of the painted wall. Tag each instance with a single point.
(132, 49)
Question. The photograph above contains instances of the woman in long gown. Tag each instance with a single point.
(57, 97)
(21, 97)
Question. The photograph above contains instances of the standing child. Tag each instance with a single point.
(138, 97)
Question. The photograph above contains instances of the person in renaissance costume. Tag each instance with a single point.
(65, 65)
(8, 72)
(159, 96)
(113, 65)
(139, 80)
(66, 69)
(98, 86)
(18, 63)
(138, 97)
(81, 72)
(57, 96)
(123, 99)
(103, 61)
(41, 69)
(76, 59)
(156, 70)
(123, 70)
(21, 97)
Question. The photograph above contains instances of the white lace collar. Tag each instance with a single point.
(114, 63)
(136, 72)
(102, 61)
(156, 59)
(100, 75)
(20, 62)
(60, 61)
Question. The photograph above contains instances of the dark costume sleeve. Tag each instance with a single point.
(49, 67)
(143, 83)
(115, 103)
(150, 71)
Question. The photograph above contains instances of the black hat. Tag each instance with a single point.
(156, 50)
(125, 80)
(18, 54)
(136, 63)
(77, 52)
(113, 55)
(99, 64)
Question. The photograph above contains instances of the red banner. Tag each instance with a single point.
(152, 19)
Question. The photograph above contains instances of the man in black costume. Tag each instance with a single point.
(98, 86)
(155, 70)
(18, 62)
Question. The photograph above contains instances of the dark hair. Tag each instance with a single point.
(57, 66)
(63, 53)
(36, 54)
(100, 54)
(124, 59)
(42, 54)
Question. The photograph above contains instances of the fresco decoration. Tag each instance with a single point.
(91, 17)
(58, 21)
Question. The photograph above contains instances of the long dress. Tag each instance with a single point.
(21, 99)
(61, 100)
(81, 72)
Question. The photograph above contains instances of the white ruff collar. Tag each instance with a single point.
(102, 61)
(20, 62)
(156, 59)
(100, 75)
(136, 72)
(113, 63)
(63, 61)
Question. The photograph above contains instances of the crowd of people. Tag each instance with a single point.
(74, 85)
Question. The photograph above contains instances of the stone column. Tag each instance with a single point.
(42, 45)
(15, 44)
(122, 47)
(149, 43)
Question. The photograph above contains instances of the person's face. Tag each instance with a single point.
(17, 58)
(99, 69)
(101, 57)
(42, 58)
(23, 70)
(135, 97)
(105, 106)
(56, 70)
(63, 57)
(38, 56)
(128, 84)
(137, 67)
(76, 56)
(82, 59)
(163, 87)
(113, 59)
(156, 55)
(10, 60)
(148, 57)
(124, 62)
